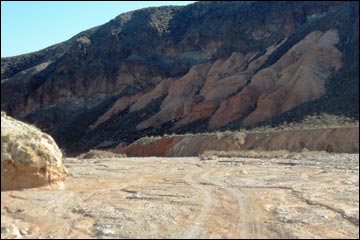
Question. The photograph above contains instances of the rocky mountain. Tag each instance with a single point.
(205, 66)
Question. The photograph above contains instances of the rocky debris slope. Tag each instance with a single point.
(97, 154)
(29, 157)
(330, 140)
(160, 70)
(186, 198)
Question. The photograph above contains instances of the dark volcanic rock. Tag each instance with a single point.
(205, 65)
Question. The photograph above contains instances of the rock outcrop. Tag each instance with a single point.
(339, 140)
(297, 77)
(29, 157)
(208, 65)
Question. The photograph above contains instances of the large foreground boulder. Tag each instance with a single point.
(29, 157)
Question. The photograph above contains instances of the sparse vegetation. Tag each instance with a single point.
(258, 153)
(323, 120)
(63, 151)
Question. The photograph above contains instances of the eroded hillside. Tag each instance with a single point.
(205, 66)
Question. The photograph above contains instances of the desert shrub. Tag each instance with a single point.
(63, 151)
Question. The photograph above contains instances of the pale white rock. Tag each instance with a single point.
(29, 157)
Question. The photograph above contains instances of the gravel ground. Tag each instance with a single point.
(312, 197)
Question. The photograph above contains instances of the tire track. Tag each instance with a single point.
(196, 229)
(248, 219)
(249, 215)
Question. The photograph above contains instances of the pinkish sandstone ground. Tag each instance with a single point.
(288, 197)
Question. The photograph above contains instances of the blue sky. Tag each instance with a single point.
(34, 25)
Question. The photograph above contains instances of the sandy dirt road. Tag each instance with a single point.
(316, 197)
